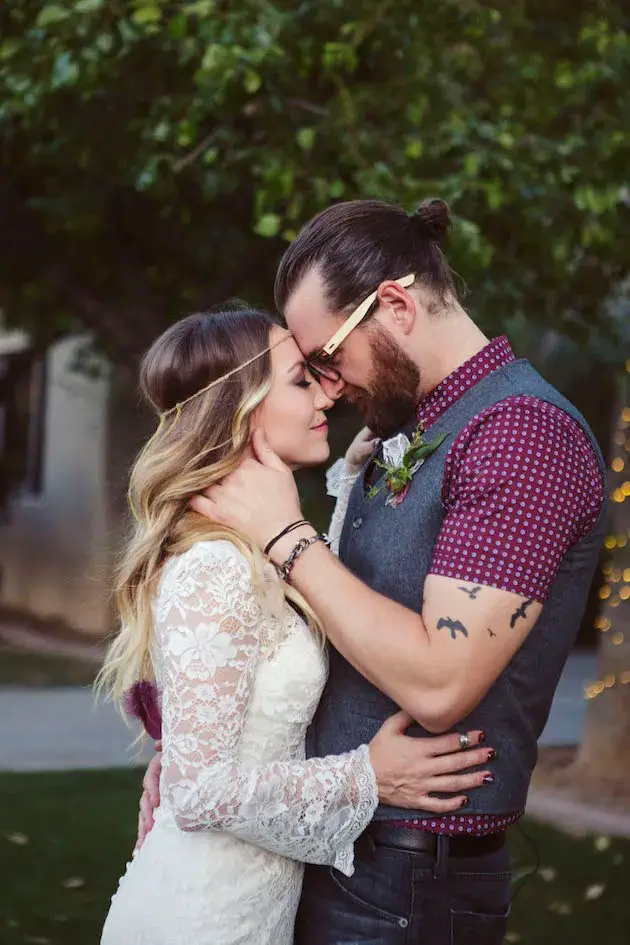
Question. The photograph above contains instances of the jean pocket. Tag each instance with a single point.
(477, 928)
(345, 886)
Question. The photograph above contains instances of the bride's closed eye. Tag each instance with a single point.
(302, 382)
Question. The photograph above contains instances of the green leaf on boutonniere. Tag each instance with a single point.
(427, 448)
(398, 478)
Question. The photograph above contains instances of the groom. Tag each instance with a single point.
(463, 571)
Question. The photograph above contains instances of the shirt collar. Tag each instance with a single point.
(496, 354)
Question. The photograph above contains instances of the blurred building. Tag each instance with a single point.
(55, 537)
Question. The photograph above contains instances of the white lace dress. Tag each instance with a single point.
(241, 809)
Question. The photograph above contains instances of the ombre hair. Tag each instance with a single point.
(198, 443)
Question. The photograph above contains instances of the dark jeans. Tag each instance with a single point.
(401, 898)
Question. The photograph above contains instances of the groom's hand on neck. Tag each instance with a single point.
(259, 499)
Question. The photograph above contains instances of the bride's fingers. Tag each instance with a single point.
(458, 783)
(444, 805)
(264, 453)
(451, 764)
(445, 744)
(205, 506)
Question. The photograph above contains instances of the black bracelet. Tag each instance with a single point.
(285, 531)
(285, 569)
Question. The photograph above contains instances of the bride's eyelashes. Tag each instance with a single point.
(303, 383)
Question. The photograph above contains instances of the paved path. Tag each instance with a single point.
(61, 729)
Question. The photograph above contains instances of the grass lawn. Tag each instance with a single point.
(23, 668)
(65, 838)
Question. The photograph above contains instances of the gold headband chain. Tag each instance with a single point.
(177, 409)
(219, 380)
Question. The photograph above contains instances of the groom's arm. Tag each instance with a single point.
(514, 505)
(521, 487)
(437, 665)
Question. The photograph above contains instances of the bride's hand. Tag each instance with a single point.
(150, 796)
(360, 450)
(408, 770)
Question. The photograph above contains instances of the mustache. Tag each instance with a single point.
(357, 396)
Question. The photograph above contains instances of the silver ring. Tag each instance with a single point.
(464, 741)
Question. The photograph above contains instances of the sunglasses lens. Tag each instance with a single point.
(324, 370)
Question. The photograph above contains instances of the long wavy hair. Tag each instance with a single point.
(193, 448)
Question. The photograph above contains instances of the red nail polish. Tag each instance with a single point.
(464, 803)
(482, 737)
(488, 779)
(492, 754)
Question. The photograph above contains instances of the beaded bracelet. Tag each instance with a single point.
(284, 570)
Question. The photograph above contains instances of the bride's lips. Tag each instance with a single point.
(322, 427)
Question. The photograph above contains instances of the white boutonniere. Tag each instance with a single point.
(402, 458)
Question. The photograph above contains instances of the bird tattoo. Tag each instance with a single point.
(472, 593)
(455, 626)
(491, 632)
(519, 612)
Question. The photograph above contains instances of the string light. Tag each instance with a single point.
(615, 596)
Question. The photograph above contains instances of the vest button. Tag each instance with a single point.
(403, 923)
(358, 522)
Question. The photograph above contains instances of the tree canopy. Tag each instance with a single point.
(157, 156)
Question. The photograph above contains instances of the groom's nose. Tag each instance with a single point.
(333, 389)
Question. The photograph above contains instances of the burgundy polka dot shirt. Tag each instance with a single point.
(521, 485)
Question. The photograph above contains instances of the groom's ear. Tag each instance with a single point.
(397, 308)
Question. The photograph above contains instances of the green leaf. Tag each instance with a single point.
(427, 448)
(50, 14)
(200, 8)
(88, 6)
(9, 48)
(213, 58)
(251, 81)
(65, 71)
(268, 225)
(305, 138)
(415, 148)
(147, 14)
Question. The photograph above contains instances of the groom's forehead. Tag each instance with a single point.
(307, 316)
(308, 334)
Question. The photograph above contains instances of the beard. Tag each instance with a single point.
(392, 396)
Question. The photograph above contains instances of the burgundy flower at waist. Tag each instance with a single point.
(141, 702)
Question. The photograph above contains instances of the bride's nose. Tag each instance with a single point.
(321, 400)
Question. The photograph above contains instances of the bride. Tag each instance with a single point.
(238, 658)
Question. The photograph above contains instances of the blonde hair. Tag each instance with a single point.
(203, 442)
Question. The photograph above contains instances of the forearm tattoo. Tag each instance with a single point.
(520, 612)
(454, 626)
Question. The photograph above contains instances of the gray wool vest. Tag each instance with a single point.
(391, 551)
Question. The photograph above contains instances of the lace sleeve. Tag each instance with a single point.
(339, 483)
(210, 622)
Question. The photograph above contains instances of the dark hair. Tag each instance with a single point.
(202, 347)
(358, 244)
(191, 354)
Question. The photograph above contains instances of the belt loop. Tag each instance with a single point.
(441, 859)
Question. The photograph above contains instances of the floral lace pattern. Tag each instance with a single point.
(240, 805)
(339, 483)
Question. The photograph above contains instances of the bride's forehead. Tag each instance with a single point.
(286, 350)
